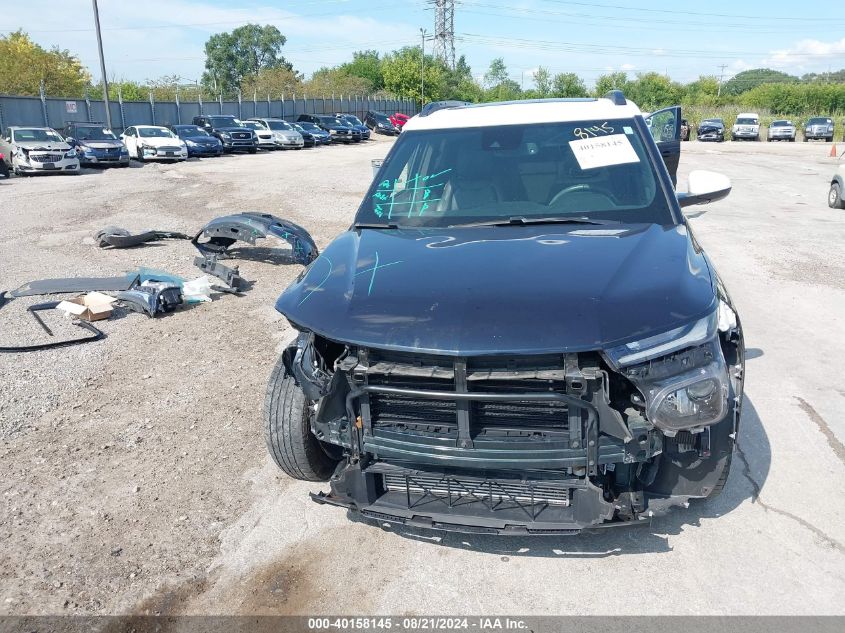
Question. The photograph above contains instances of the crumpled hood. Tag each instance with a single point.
(498, 290)
(46, 146)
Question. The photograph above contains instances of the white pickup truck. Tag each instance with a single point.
(747, 127)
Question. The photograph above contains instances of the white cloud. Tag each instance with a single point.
(627, 67)
(804, 52)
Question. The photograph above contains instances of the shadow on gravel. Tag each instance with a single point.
(751, 464)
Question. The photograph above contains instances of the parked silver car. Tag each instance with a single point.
(284, 136)
(781, 130)
(31, 150)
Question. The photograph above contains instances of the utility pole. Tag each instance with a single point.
(422, 67)
(102, 64)
(444, 31)
(721, 76)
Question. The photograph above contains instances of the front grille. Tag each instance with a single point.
(168, 149)
(240, 135)
(45, 158)
(495, 493)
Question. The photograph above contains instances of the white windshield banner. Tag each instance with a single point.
(603, 151)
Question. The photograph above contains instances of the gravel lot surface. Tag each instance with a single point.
(135, 477)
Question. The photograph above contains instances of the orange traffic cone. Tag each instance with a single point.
(833, 151)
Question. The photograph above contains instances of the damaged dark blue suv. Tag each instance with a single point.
(519, 333)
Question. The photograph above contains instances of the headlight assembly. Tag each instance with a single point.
(224, 135)
(682, 374)
(71, 153)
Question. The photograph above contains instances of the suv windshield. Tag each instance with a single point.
(224, 121)
(746, 121)
(94, 133)
(154, 132)
(330, 120)
(781, 123)
(819, 121)
(354, 120)
(37, 135)
(594, 169)
(278, 125)
(712, 122)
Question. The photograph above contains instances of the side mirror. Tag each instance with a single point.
(704, 187)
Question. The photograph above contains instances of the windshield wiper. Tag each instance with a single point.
(365, 225)
(520, 220)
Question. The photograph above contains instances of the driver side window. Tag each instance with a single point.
(663, 126)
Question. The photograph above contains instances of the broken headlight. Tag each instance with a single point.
(682, 374)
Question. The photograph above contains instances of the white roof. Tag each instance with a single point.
(155, 127)
(521, 112)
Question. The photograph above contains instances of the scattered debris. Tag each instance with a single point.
(34, 309)
(115, 237)
(224, 231)
(152, 297)
(75, 284)
(93, 306)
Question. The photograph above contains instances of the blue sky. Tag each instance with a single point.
(150, 38)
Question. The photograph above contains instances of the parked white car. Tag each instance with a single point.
(30, 150)
(262, 134)
(153, 142)
(782, 130)
(747, 126)
(284, 135)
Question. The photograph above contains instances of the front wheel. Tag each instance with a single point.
(834, 197)
(253, 150)
(139, 155)
(287, 430)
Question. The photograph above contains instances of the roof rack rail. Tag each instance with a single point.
(434, 106)
(616, 97)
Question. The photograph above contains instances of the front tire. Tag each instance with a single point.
(139, 155)
(287, 430)
(834, 197)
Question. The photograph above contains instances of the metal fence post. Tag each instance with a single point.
(178, 108)
(120, 103)
(88, 116)
(240, 105)
(152, 108)
(220, 101)
(2, 126)
(199, 98)
(43, 103)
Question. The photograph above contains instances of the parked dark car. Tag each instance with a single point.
(339, 131)
(95, 144)
(321, 136)
(4, 168)
(308, 139)
(819, 128)
(199, 142)
(355, 122)
(452, 372)
(711, 130)
(230, 131)
(380, 123)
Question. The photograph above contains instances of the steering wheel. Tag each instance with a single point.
(583, 187)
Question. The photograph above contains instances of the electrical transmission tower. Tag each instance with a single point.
(444, 31)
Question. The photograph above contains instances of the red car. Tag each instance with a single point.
(399, 120)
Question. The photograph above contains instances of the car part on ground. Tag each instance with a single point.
(224, 231)
(781, 130)
(115, 237)
(819, 128)
(96, 334)
(152, 298)
(76, 284)
(574, 404)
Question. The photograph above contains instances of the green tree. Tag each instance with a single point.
(367, 65)
(401, 72)
(569, 86)
(24, 64)
(232, 57)
(336, 81)
(611, 81)
(651, 91)
(121, 88)
(749, 79)
(496, 74)
(275, 82)
(459, 83)
(543, 81)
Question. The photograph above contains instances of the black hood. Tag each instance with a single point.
(233, 128)
(495, 290)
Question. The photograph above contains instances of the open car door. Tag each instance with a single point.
(665, 126)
